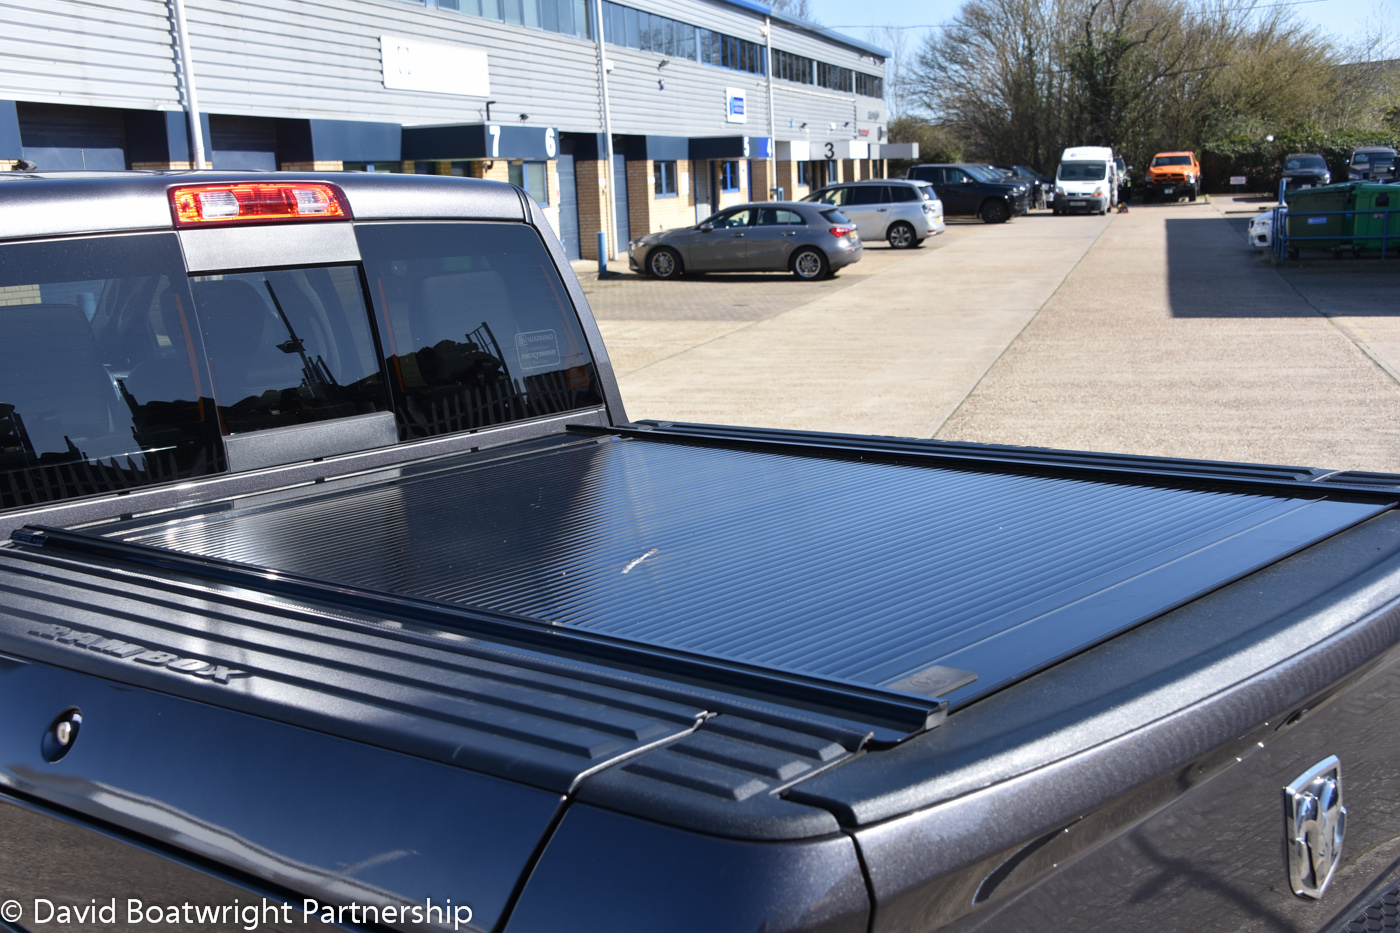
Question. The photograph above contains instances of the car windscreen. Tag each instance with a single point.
(835, 217)
(477, 325)
(1082, 171)
(1171, 160)
(1305, 162)
(985, 173)
(103, 385)
(288, 347)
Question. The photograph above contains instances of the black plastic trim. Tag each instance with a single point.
(1295, 482)
(892, 716)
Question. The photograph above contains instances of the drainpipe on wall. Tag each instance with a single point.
(610, 202)
(182, 41)
(772, 127)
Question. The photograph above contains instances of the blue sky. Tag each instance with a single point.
(1342, 19)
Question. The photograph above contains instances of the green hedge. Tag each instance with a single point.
(1261, 161)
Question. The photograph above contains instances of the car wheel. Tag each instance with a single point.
(664, 263)
(809, 264)
(901, 236)
(995, 212)
(1192, 195)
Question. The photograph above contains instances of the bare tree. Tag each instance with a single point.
(994, 74)
(1020, 80)
(899, 93)
(802, 9)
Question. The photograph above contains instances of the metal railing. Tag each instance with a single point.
(1283, 243)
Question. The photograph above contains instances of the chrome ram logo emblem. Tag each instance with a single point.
(1316, 823)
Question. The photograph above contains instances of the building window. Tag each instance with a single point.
(729, 175)
(533, 178)
(569, 17)
(792, 67)
(834, 77)
(870, 86)
(650, 32)
(804, 173)
(666, 180)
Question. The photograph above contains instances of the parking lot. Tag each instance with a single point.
(1158, 331)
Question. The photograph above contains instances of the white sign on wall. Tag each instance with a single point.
(794, 150)
(736, 105)
(415, 65)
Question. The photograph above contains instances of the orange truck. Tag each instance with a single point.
(1171, 175)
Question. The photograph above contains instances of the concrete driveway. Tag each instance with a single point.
(1159, 331)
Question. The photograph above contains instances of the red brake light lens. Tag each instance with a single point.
(839, 232)
(195, 205)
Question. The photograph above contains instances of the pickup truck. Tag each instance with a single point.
(1171, 176)
(340, 591)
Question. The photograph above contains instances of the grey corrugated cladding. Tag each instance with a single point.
(320, 59)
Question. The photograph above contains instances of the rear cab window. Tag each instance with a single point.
(288, 347)
(476, 326)
(103, 385)
(119, 369)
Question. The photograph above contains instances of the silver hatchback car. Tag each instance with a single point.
(902, 211)
(809, 240)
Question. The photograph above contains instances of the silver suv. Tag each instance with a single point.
(901, 210)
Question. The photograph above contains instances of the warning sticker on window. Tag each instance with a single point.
(538, 349)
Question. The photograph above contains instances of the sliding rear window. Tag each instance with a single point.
(288, 347)
(102, 380)
(477, 327)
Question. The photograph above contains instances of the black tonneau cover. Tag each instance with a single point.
(852, 569)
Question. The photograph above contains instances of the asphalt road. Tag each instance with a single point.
(1159, 331)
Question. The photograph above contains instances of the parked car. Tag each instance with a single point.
(1261, 227)
(809, 240)
(898, 210)
(969, 190)
(1305, 170)
(1372, 163)
(1171, 175)
(1042, 186)
(1125, 179)
(1086, 179)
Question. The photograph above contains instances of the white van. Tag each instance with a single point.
(1087, 179)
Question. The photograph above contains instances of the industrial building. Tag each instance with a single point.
(621, 117)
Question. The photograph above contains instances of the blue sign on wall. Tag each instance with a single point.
(736, 105)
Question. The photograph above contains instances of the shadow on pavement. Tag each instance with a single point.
(1213, 272)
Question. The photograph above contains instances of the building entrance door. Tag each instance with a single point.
(624, 230)
(700, 177)
(568, 205)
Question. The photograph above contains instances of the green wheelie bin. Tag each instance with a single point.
(1333, 229)
(1377, 218)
